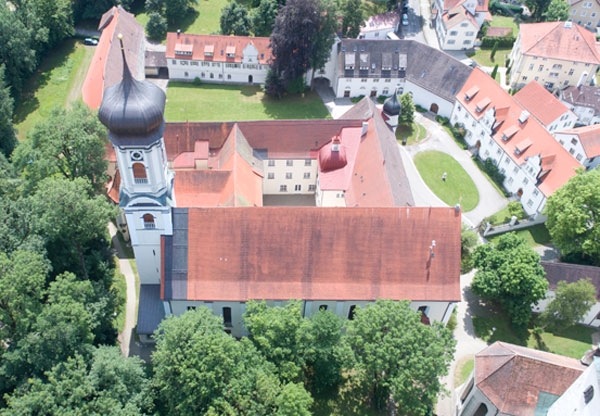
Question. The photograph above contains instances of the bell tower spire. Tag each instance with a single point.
(133, 112)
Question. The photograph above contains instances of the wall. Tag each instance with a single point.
(216, 72)
(572, 144)
(572, 402)
(560, 73)
(279, 170)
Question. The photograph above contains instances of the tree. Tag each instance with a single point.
(407, 114)
(537, 8)
(69, 219)
(172, 10)
(570, 304)
(22, 288)
(70, 143)
(573, 213)
(263, 17)
(16, 53)
(494, 71)
(8, 138)
(235, 20)
(468, 241)
(156, 28)
(558, 10)
(278, 334)
(398, 359)
(292, 40)
(494, 49)
(108, 383)
(56, 16)
(354, 18)
(509, 272)
(199, 369)
(322, 43)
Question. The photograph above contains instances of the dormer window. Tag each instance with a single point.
(509, 133)
(349, 60)
(522, 146)
(481, 105)
(471, 93)
(209, 50)
(230, 52)
(183, 50)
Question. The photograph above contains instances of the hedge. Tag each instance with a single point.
(503, 41)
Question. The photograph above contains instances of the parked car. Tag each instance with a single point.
(404, 19)
(90, 41)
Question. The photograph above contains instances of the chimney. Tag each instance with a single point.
(568, 25)
(335, 144)
(365, 128)
(178, 33)
(523, 117)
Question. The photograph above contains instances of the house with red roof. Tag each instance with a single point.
(583, 100)
(512, 380)
(106, 67)
(379, 25)
(457, 22)
(555, 54)
(583, 143)
(548, 110)
(534, 163)
(217, 58)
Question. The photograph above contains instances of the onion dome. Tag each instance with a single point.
(133, 110)
(391, 106)
(332, 156)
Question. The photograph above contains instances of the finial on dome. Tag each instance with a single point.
(126, 73)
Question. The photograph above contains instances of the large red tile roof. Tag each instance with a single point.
(512, 377)
(282, 253)
(558, 164)
(217, 45)
(540, 103)
(555, 40)
(106, 68)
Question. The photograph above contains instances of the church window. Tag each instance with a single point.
(136, 156)
(149, 221)
(139, 173)
(227, 316)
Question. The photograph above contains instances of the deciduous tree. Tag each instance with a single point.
(573, 214)
(398, 360)
(263, 17)
(509, 273)
(156, 28)
(8, 139)
(558, 10)
(235, 19)
(570, 304)
(407, 113)
(70, 143)
(354, 18)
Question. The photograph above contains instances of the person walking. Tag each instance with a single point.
(444, 175)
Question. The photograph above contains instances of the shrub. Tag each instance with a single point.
(197, 81)
(420, 109)
(489, 166)
(357, 99)
(516, 209)
(381, 99)
(442, 120)
(502, 42)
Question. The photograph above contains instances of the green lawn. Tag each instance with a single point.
(413, 133)
(505, 21)
(463, 369)
(211, 102)
(204, 21)
(56, 83)
(119, 285)
(458, 188)
(534, 236)
(483, 56)
(571, 342)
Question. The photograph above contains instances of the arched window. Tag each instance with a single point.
(149, 221)
(139, 173)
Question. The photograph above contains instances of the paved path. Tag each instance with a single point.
(490, 201)
(125, 337)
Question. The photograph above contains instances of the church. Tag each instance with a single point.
(315, 210)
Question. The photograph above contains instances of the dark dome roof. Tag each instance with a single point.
(332, 156)
(132, 108)
(391, 106)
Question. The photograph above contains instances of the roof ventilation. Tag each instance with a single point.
(523, 117)
(365, 128)
(335, 144)
(568, 24)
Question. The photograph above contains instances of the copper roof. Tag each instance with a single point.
(513, 377)
(282, 253)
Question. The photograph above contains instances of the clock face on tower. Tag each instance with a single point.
(136, 156)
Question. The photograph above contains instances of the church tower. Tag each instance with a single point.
(133, 111)
(392, 109)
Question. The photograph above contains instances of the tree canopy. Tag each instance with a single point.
(263, 17)
(397, 359)
(509, 272)
(570, 303)
(558, 10)
(235, 20)
(573, 212)
(353, 17)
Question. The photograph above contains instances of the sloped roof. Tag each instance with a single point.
(106, 68)
(381, 21)
(555, 40)
(151, 310)
(513, 378)
(570, 273)
(589, 136)
(217, 45)
(282, 253)
(540, 103)
(507, 112)
(584, 95)
(427, 67)
(494, 32)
